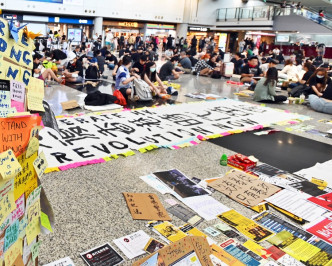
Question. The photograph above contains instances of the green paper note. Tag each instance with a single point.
(45, 222)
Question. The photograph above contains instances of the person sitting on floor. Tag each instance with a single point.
(289, 72)
(138, 67)
(202, 68)
(322, 104)
(123, 81)
(74, 70)
(185, 63)
(168, 72)
(238, 63)
(150, 76)
(309, 69)
(100, 61)
(42, 73)
(110, 60)
(251, 71)
(265, 88)
(318, 82)
(169, 53)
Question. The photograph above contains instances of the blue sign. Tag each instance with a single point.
(48, 1)
(81, 21)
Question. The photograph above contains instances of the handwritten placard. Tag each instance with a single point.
(4, 100)
(244, 188)
(5, 187)
(35, 102)
(17, 91)
(33, 147)
(40, 164)
(32, 230)
(9, 166)
(34, 211)
(34, 196)
(146, 206)
(11, 234)
(35, 250)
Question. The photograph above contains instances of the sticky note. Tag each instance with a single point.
(22, 227)
(11, 234)
(9, 166)
(34, 211)
(45, 222)
(40, 164)
(142, 150)
(19, 261)
(114, 156)
(35, 131)
(35, 250)
(32, 230)
(211, 231)
(5, 187)
(17, 91)
(32, 147)
(13, 252)
(34, 195)
(7, 205)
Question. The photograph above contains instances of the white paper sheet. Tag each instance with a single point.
(154, 182)
(62, 262)
(133, 245)
(296, 203)
(321, 171)
(206, 206)
(103, 107)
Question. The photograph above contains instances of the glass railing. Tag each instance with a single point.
(309, 14)
(250, 13)
(268, 13)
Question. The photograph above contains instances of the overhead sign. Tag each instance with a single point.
(70, 20)
(48, 1)
(128, 24)
(161, 26)
(198, 29)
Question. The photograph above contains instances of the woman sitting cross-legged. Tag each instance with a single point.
(265, 88)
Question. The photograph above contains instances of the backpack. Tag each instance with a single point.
(120, 99)
(92, 73)
(97, 99)
(142, 90)
(300, 89)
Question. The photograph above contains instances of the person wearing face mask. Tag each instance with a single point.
(318, 82)
(150, 76)
(74, 71)
(167, 71)
(322, 104)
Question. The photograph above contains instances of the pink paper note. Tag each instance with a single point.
(193, 142)
(19, 106)
(19, 211)
(200, 137)
(225, 134)
(75, 165)
(292, 122)
(176, 147)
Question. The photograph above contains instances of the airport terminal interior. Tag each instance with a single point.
(156, 133)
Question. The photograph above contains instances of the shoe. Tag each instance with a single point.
(172, 91)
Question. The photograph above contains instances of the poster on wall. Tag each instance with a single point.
(75, 35)
(48, 1)
(222, 41)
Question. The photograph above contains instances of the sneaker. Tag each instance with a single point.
(172, 91)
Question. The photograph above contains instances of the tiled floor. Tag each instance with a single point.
(88, 205)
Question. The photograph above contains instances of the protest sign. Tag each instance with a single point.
(93, 137)
(244, 188)
(146, 206)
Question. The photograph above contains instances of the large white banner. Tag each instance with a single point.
(90, 137)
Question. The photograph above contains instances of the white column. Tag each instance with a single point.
(181, 30)
(98, 26)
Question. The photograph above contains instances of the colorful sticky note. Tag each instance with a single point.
(20, 208)
(34, 211)
(35, 102)
(33, 197)
(5, 187)
(32, 147)
(18, 261)
(40, 164)
(11, 234)
(13, 252)
(32, 230)
(7, 205)
(35, 131)
(45, 222)
(17, 91)
(35, 250)
(22, 227)
(9, 166)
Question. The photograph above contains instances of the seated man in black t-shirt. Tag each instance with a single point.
(74, 70)
(110, 60)
(238, 62)
(138, 67)
(251, 71)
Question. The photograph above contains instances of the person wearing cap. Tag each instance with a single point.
(91, 58)
(74, 70)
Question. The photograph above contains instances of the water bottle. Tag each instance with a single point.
(197, 75)
(223, 160)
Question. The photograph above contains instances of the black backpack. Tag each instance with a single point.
(92, 73)
(300, 89)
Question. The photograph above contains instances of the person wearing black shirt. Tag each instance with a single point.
(251, 70)
(74, 70)
(309, 70)
(324, 103)
(318, 81)
(111, 60)
(238, 62)
(167, 71)
(139, 66)
(169, 41)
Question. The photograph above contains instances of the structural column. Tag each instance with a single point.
(98, 26)
(181, 30)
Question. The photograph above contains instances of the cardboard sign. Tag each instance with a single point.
(102, 255)
(187, 251)
(146, 206)
(245, 225)
(69, 105)
(244, 188)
